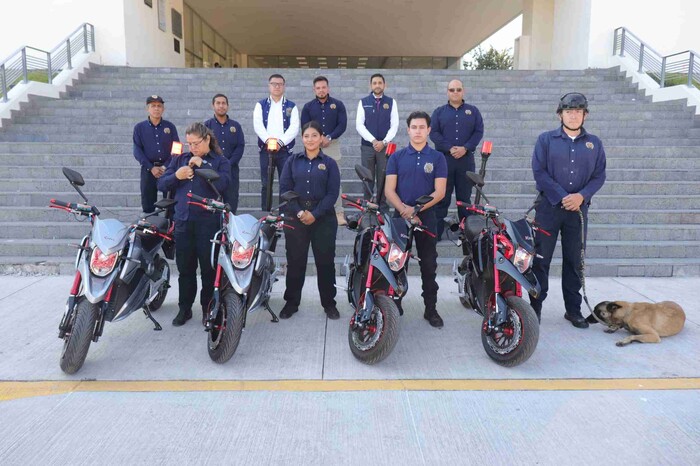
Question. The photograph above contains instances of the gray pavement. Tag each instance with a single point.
(377, 426)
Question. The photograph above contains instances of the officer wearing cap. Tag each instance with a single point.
(331, 115)
(153, 140)
(457, 130)
(276, 123)
(194, 226)
(415, 171)
(230, 137)
(316, 178)
(568, 165)
(377, 122)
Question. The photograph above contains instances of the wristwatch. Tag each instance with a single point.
(300, 213)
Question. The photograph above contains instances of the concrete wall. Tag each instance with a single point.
(570, 34)
(146, 44)
(670, 28)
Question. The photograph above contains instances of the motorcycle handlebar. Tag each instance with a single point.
(82, 209)
(208, 203)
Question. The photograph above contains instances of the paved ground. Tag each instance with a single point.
(294, 394)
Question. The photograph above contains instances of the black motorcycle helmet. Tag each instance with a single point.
(573, 100)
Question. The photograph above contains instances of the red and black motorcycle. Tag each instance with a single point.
(496, 268)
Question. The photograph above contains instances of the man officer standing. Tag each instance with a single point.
(276, 122)
(153, 141)
(412, 172)
(377, 122)
(568, 165)
(457, 130)
(230, 137)
(330, 113)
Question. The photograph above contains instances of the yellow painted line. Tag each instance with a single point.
(16, 390)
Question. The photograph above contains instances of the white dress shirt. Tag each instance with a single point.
(364, 132)
(275, 123)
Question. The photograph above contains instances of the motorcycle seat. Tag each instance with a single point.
(161, 223)
(473, 225)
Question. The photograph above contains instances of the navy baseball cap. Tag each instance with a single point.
(154, 98)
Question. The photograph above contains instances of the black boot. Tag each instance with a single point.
(432, 316)
(183, 316)
(288, 311)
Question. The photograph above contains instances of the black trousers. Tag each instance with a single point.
(192, 246)
(321, 236)
(427, 253)
(149, 191)
(457, 181)
(555, 220)
(278, 159)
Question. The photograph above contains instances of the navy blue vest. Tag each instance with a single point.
(377, 122)
(287, 106)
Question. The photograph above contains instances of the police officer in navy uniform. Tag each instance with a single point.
(194, 226)
(457, 130)
(229, 136)
(275, 118)
(377, 122)
(316, 178)
(568, 165)
(330, 113)
(153, 140)
(412, 172)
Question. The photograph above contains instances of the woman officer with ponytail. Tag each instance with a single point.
(194, 226)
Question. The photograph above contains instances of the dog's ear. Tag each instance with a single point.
(612, 306)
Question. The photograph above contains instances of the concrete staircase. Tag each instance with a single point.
(644, 222)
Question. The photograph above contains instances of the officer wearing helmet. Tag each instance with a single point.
(568, 165)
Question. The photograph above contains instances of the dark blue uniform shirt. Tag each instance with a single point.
(196, 185)
(331, 115)
(230, 138)
(416, 171)
(316, 181)
(153, 143)
(562, 166)
(461, 126)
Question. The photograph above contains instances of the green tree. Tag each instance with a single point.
(492, 59)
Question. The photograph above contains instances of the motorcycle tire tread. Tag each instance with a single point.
(388, 341)
(78, 342)
(235, 310)
(531, 334)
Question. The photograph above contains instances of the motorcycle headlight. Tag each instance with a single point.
(397, 258)
(241, 256)
(522, 260)
(101, 264)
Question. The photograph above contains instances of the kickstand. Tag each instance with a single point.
(155, 322)
(272, 313)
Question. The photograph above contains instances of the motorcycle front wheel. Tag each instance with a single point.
(377, 339)
(513, 342)
(76, 342)
(225, 334)
(162, 270)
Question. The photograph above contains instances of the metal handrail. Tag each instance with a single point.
(653, 63)
(17, 66)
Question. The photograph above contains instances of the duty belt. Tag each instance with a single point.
(309, 204)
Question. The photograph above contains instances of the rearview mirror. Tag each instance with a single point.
(364, 173)
(165, 203)
(289, 195)
(476, 179)
(424, 200)
(207, 173)
(74, 177)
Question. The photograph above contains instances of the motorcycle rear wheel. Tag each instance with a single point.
(76, 343)
(162, 269)
(225, 335)
(517, 338)
(377, 339)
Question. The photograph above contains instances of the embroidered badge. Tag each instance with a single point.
(386, 106)
(233, 129)
(468, 112)
(289, 111)
(166, 130)
(154, 97)
(332, 106)
(589, 145)
(321, 166)
(428, 167)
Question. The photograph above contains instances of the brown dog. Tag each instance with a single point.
(648, 321)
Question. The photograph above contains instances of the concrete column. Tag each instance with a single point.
(571, 34)
(535, 45)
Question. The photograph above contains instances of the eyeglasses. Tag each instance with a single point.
(455, 89)
(277, 84)
(193, 145)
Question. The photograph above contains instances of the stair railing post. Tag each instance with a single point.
(641, 56)
(68, 55)
(663, 72)
(691, 65)
(622, 43)
(25, 72)
(49, 71)
(85, 37)
(3, 82)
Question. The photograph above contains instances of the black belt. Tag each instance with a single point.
(308, 205)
